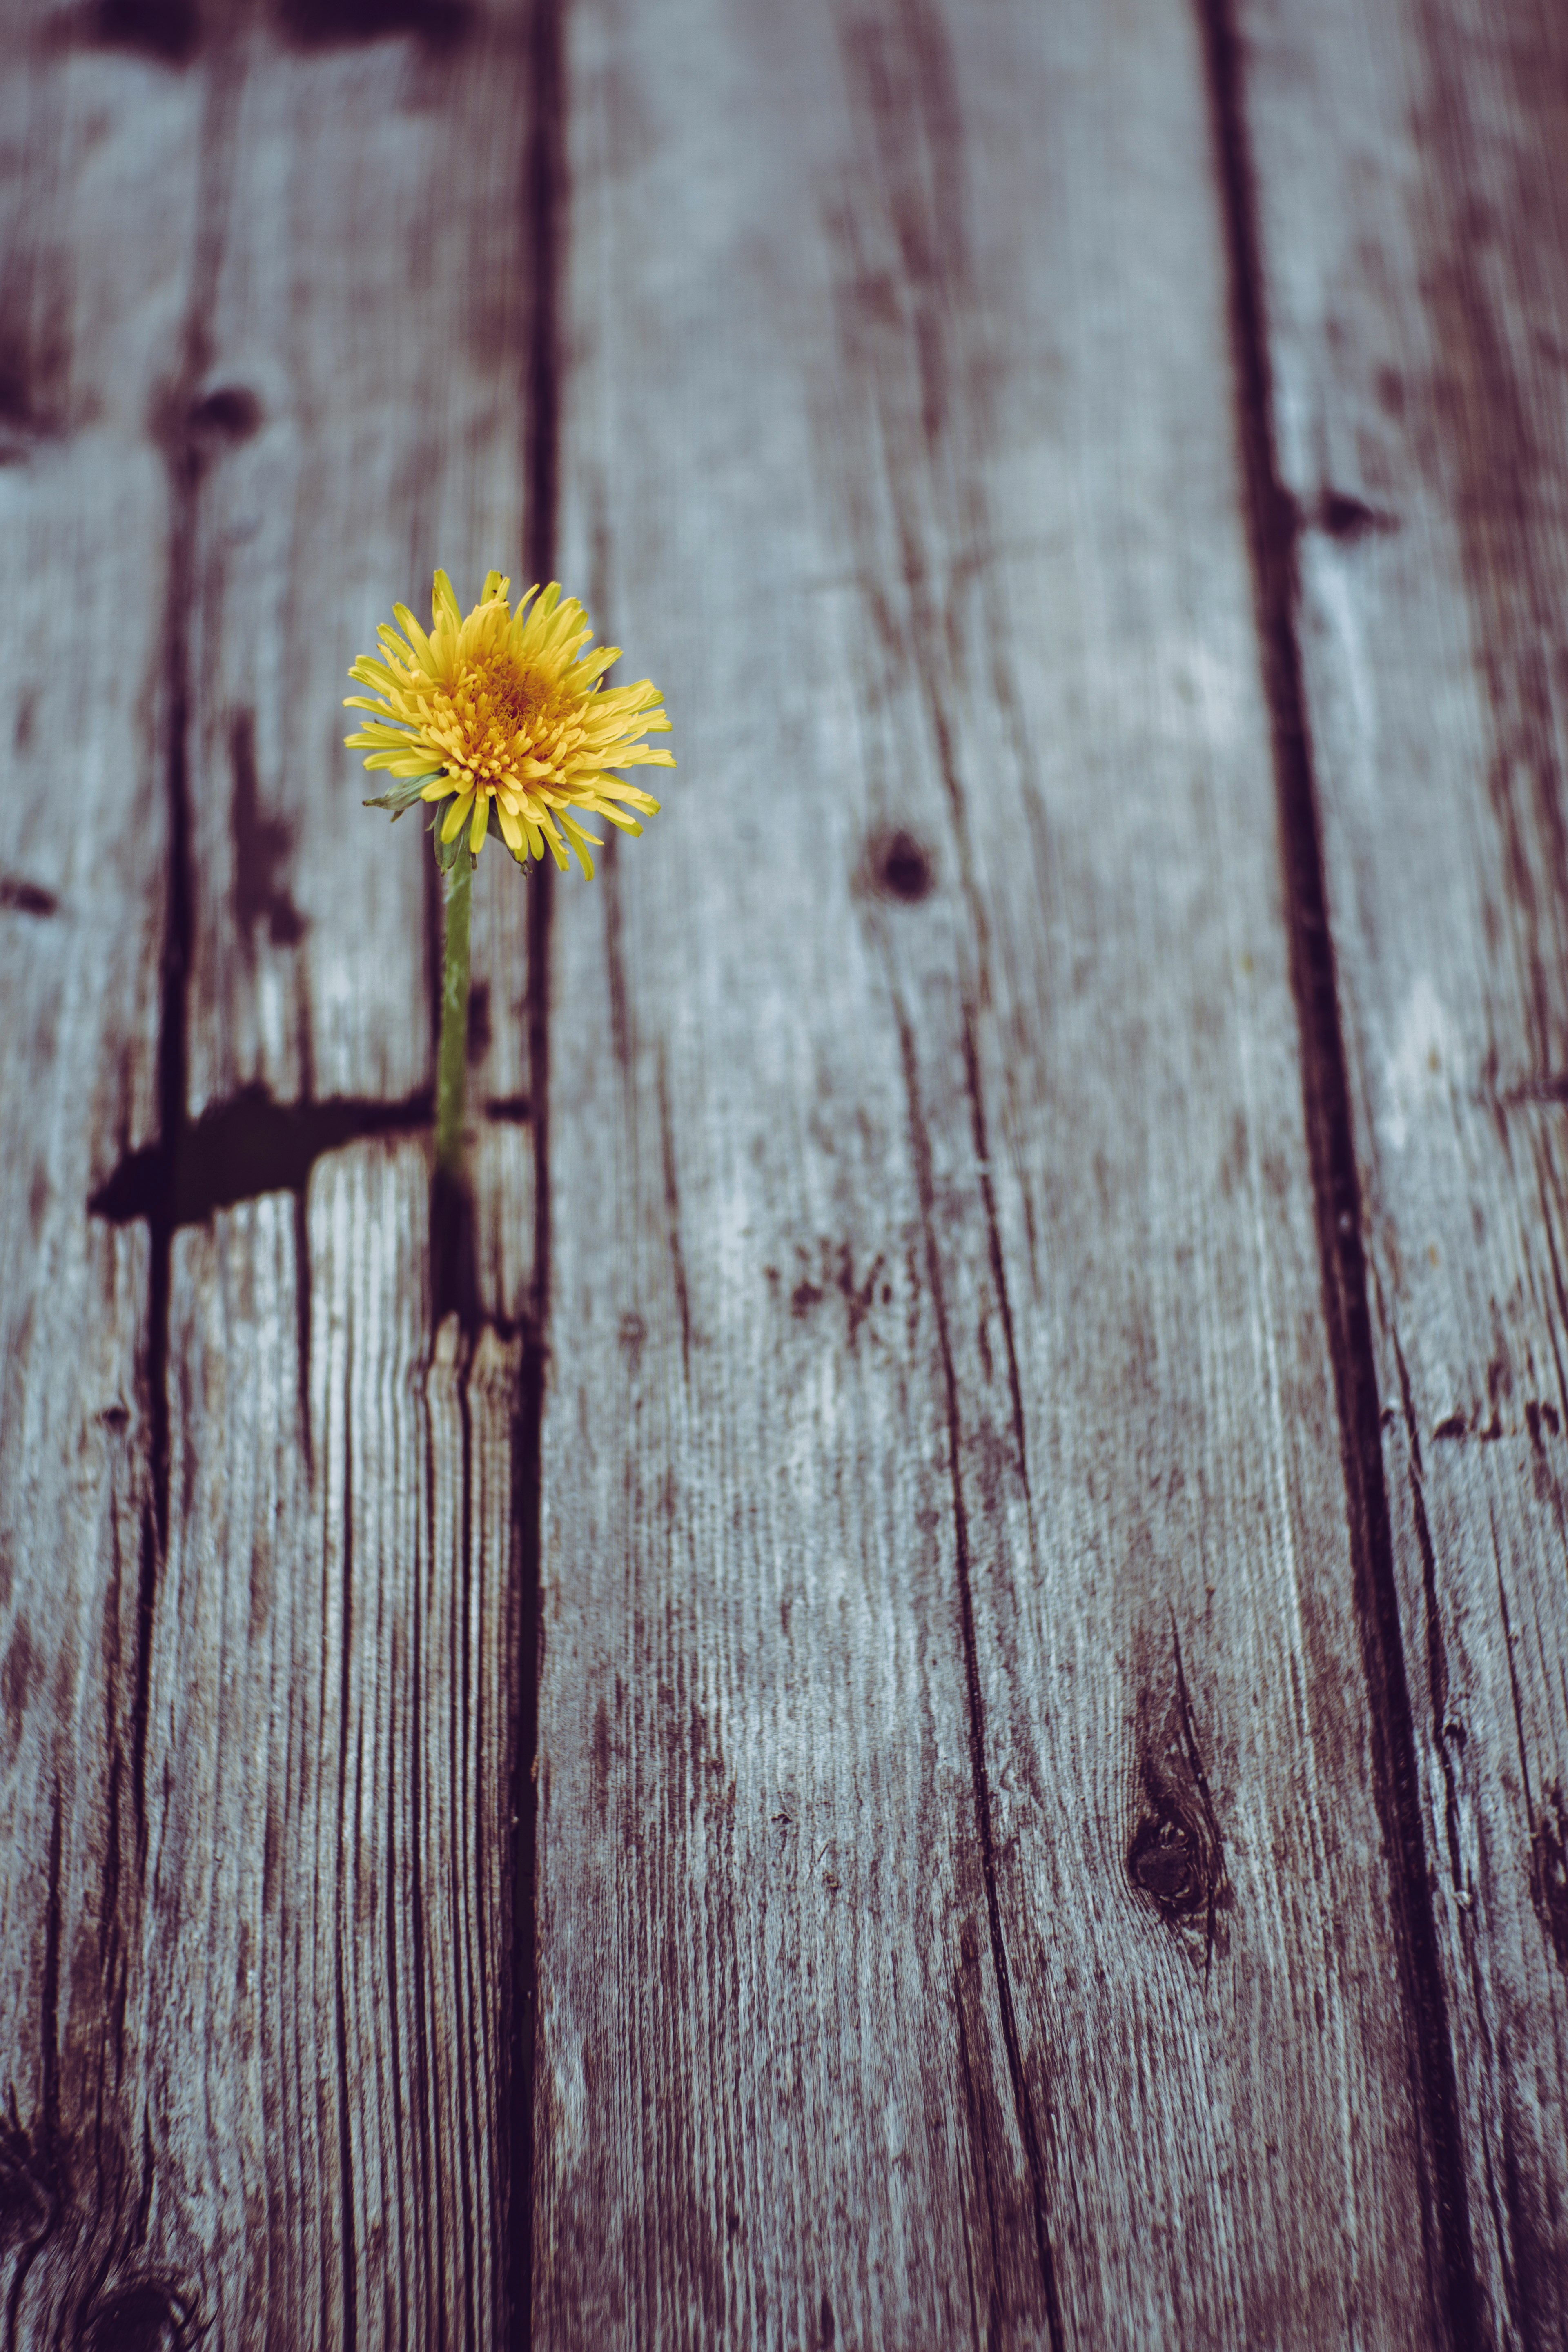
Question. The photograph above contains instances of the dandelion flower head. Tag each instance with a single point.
(502, 717)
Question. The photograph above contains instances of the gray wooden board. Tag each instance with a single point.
(332, 1692)
(100, 178)
(297, 2138)
(265, 332)
(957, 1860)
(1415, 214)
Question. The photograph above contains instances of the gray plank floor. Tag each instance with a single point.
(912, 1687)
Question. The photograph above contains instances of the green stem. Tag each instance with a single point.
(452, 1065)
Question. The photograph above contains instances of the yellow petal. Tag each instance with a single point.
(423, 652)
(580, 840)
(556, 846)
(456, 815)
(371, 672)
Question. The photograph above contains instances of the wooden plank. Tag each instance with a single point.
(964, 1911)
(254, 1927)
(329, 1709)
(100, 207)
(332, 1680)
(1414, 226)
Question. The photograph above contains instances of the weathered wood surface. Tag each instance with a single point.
(267, 323)
(1049, 1659)
(101, 203)
(965, 1904)
(1414, 214)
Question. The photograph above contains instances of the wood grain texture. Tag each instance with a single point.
(262, 344)
(1414, 230)
(301, 2112)
(963, 1912)
(333, 1703)
(974, 1900)
(100, 219)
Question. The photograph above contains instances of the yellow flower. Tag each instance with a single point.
(498, 715)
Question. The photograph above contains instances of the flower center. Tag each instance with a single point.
(513, 696)
(493, 716)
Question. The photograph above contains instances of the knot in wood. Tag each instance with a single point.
(1168, 1860)
(147, 2315)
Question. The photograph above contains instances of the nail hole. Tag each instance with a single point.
(231, 413)
(900, 869)
(1348, 519)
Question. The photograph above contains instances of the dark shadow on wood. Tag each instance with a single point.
(21, 898)
(242, 1149)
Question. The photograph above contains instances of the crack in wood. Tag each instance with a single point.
(672, 1214)
(1436, 1654)
(546, 195)
(994, 1242)
(349, 2268)
(919, 1144)
(1272, 536)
